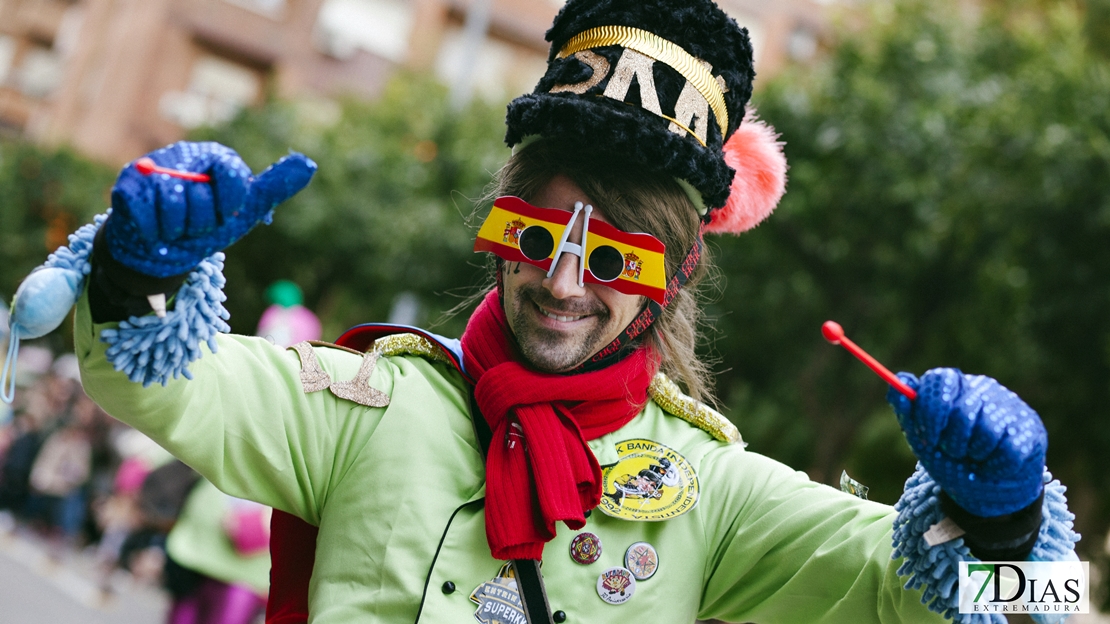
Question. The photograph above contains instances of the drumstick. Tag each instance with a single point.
(146, 166)
(834, 333)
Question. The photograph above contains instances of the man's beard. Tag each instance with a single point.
(553, 351)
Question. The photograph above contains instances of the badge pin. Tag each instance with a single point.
(498, 600)
(641, 560)
(650, 482)
(616, 586)
(585, 548)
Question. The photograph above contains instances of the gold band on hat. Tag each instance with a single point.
(659, 49)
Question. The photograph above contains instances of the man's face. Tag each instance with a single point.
(557, 323)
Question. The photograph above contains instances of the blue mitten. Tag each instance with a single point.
(979, 441)
(162, 225)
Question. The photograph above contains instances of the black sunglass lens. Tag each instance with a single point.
(606, 263)
(536, 243)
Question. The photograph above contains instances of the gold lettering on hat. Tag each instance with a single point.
(631, 65)
(598, 63)
(691, 111)
(712, 88)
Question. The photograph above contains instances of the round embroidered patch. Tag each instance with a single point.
(616, 586)
(649, 482)
(641, 560)
(585, 548)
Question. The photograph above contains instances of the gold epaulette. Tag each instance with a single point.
(411, 344)
(397, 344)
(666, 394)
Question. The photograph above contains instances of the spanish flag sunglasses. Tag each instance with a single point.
(520, 232)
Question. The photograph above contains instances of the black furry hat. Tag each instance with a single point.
(606, 55)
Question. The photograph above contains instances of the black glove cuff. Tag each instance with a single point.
(1002, 538)
(116, 292)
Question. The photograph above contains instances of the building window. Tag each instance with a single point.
(802, 44)
(218, 89)
(273, 9)
(7, 56)
(40, 72)
(381, 27)
(497, 69)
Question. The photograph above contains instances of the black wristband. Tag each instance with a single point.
(1002, 538)
(116, 292)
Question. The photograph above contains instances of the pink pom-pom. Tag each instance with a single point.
(755, 152)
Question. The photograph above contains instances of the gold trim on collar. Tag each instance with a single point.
(666, 395)
(658, 48)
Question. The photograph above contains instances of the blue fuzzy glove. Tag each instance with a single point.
(163, 226)
(978, 440)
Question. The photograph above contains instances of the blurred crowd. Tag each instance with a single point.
(59, 452)
(84, 481)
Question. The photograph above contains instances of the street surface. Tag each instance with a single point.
(36, 588)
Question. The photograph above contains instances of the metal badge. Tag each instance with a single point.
(616, 586)
(641, 560)
(585, 548)
(498, 600)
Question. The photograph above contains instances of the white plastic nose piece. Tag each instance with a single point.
(579, 248)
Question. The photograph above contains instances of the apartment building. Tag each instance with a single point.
(117, 78)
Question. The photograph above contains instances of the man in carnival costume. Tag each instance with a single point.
(427, 478)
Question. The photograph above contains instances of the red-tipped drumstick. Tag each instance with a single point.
(146, 166)
(834, 333)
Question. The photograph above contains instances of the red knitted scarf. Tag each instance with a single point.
(540, 470)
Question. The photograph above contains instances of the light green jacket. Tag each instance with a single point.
(397, 494)
(199, 541)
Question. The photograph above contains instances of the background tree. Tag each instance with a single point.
(949, 204)
(44, 196)
(385, 213)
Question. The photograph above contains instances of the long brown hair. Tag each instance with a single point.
(634, 200)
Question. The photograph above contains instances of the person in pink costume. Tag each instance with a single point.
(218, 560)
(286, 322)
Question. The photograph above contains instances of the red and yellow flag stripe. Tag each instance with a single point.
(644, 271)
(500, 233)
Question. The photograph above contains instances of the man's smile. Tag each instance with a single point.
(562, 315)
(558, 317)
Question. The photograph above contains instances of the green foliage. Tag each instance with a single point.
(949, 205)
(385, 213)
(1098, 26)
(44, 195)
